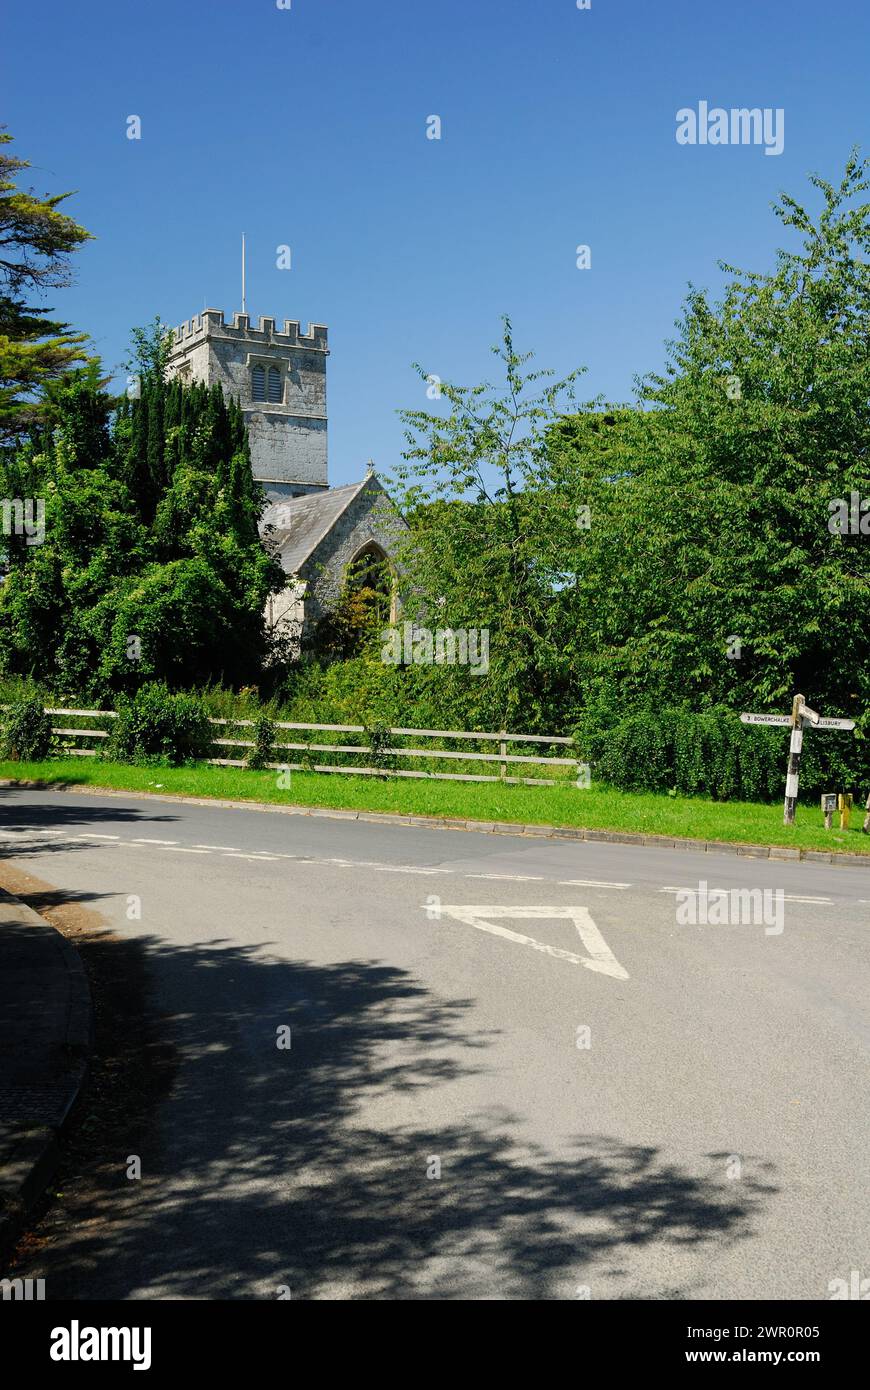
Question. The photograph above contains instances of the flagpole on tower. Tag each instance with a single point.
(243, 274)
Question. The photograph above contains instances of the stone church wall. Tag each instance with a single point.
(369, 517)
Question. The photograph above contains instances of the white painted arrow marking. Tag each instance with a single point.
(598, 954)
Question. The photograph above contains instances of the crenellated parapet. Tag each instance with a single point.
(278, 376)
(210, 324)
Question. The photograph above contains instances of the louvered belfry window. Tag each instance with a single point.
(274, 384)
(258, 383)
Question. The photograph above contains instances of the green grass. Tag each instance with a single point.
(599, 807)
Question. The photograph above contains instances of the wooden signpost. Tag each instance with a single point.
(801, 717)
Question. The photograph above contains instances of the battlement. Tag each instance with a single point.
(279, 380)
(210, 324)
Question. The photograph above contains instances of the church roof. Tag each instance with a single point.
(301, 523)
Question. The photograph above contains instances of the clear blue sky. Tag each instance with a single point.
(307, 127)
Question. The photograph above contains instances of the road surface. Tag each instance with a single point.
(510, 1071)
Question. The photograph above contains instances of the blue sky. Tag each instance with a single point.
(307, 127)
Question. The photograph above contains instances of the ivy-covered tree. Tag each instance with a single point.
(151, 565)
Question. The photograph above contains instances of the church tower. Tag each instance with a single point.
(279, 379)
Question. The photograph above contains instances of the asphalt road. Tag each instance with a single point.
(512, 1073)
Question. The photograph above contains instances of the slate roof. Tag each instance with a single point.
(301, 523)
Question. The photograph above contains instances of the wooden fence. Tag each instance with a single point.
(388, 755)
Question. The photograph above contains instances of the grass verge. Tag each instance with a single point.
(597, 808)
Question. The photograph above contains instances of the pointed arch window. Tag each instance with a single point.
(258, 383)
(274, 384)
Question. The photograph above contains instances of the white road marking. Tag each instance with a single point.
(23, 830)
(589, 883)
(796, 898)
(235, 854)
(370, 864)
(787, 897)
(510, 878)
(230, 852)
(599, 956)
(403, 869)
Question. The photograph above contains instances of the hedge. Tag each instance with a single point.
(712, 754)
(26, 731)
(156, 725)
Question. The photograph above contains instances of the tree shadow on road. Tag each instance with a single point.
(23, 824)
(310, 1169)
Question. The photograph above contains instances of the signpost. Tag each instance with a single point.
(765, 718)
(801, 717)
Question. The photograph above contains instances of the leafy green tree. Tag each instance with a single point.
(709, 573)
(476, 487)
(677, 552)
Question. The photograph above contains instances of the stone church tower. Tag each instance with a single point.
(279, 377)
(326, 538)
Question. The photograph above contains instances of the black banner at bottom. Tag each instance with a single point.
(165, 1337)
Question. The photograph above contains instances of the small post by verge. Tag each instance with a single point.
(829, 805)
(844, 805)
(794, 761)
(866, 825)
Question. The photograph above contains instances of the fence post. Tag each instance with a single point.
(502, 752)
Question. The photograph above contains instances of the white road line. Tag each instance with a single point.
(403, 869)
(588, 883)
(599, 956)
(796, 898)
(787, 897)
(507, 878)
(236, 854)
(230, 852)
(381, 867)
(23, 830)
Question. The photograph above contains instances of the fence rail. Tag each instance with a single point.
(389, 753)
